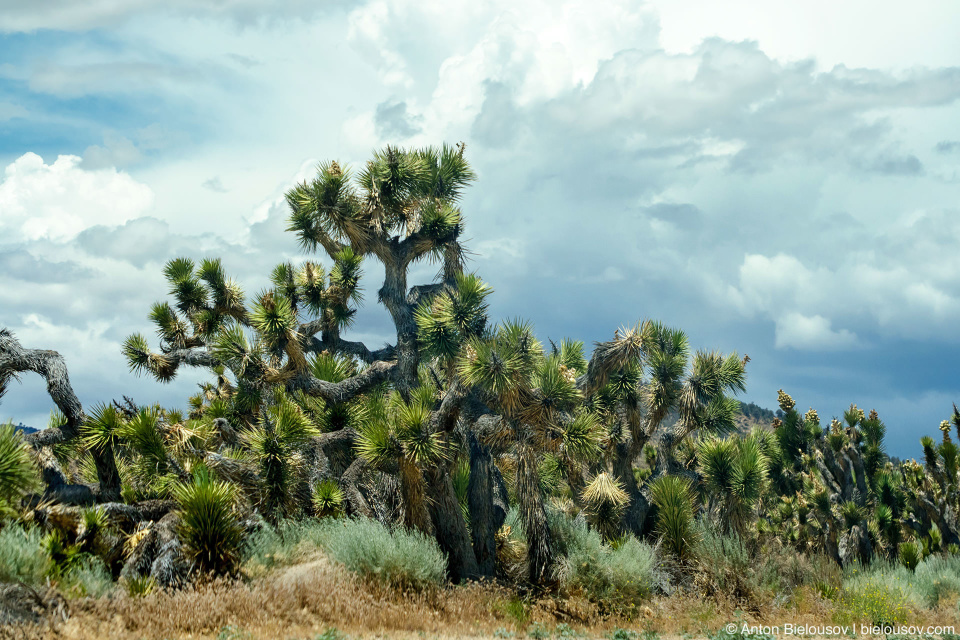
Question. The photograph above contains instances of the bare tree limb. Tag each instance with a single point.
(15, 359)
(346, 390)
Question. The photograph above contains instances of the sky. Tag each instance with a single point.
(778, 178)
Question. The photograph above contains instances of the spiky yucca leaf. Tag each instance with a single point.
(346, 273)
(332, 368)
(142, 434)
(556, 385)
(327, 498)
(582, 438)
(170, 327)
(446, 171)
(136, 349)
(910, 554)
(101, 426)
(310, 280)
(492, 369)
(604, 488)
(377, 444)
(18, 474)
(412, 428)
(571, 355)
(437, 333)
(468, 309)
(516, 338)
(209, 526)
(440, 221)
(674, 499)
(274, 319)
(605, 501)
(717, 459)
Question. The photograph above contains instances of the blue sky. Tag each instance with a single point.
(779, 179)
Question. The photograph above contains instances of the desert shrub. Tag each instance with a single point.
(615, 577)
(725, 568)
(88, 576)
(879, 595)
(289, 542)
(936, 579)
(23, 556)
(399, 558)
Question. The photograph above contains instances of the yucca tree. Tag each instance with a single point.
(399, 209)
(634, 382)
(536, 397)
(734, 472)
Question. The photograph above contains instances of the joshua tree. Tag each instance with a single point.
(401, 208)
(634, 382)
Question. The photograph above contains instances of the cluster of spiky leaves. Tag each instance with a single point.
(408, 192)
(210, 526)
(18, 474)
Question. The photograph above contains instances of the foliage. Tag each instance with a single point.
(18, 474)
(209, 527)
(401, 559)
(618, 578)
(23, 555)
(674, 500)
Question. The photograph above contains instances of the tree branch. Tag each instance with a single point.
(346, 390)
(15, 359)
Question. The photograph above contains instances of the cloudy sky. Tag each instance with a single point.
(777, 178)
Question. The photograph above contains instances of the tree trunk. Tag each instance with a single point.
(449, 526)
(415, 512)
(488, 502)
(539, 548)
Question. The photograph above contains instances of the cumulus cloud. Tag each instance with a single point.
(764, 203)
(801, 332)
(59, 200)
(67, 15)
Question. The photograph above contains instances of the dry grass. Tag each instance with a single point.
(303, 601)
(308, 599)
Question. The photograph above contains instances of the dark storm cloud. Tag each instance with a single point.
(393, 122)
(19, 264)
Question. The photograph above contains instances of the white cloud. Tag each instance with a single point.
(59, 200)
(798, 331)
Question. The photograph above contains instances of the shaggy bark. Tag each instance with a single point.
(540, 549)
(488, 502)
(449, 526)
(355, 503)
(348, 389)
(14, 359)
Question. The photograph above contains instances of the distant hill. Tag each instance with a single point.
(24, 428)
(752, 415)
